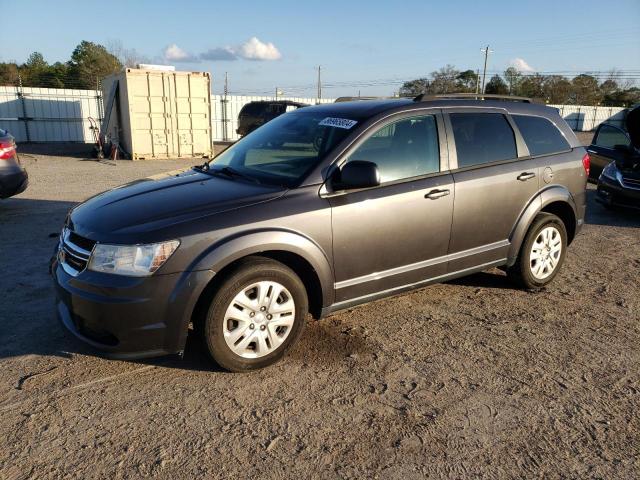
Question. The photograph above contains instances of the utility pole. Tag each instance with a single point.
(477, 81)
(319, 84)
(276, 93)
(486, 52)
(225, 120)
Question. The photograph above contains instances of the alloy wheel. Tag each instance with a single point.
(545, 252)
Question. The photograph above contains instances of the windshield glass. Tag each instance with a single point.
(283, 151)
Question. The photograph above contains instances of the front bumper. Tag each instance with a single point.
(13, 183)
(128, 317)
(610, 192)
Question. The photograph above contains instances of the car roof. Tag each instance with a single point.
(359, 108)
(277, 102)
(369, 108)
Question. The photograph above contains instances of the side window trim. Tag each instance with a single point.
(380, 124)
(521, 147)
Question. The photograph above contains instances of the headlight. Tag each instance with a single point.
(131, 260)
(610, 171)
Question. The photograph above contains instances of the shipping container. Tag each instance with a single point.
(158, 114)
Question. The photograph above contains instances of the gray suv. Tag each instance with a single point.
(384, 196)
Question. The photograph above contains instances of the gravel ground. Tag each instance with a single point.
(467, 379)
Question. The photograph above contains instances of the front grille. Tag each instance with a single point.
(81, 242)
(74, 251)
(631, 182)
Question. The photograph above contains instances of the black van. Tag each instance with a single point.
(256, 114)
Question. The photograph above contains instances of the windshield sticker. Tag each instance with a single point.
(337, 123)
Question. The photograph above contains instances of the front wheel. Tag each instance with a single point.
(257, 313)
(542, 252)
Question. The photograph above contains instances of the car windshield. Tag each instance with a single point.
(283, 151)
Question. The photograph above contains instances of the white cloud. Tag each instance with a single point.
(521, 65)
(254, 49)
(173, 53)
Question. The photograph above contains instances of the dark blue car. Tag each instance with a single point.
(618, 151)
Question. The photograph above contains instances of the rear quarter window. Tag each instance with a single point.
(541, 135)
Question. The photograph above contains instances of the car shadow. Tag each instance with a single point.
(82, 151)
(79, 151)
(490, 279)
(598, 214)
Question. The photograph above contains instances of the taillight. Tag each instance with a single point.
(7, 150)
(586, 163)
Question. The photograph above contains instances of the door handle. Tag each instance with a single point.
(435, 194)
(524, 176)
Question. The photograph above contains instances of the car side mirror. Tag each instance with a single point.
(358, 174)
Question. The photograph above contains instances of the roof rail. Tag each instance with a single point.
(478, 96)
(352, 99)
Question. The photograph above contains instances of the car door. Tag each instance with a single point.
(397, 233)
(495, 179)
(602, 149)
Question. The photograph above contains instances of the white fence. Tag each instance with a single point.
(61, 115)
(49, 114)
(583, 118)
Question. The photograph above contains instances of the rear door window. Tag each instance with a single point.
(541, 135)
(482, 138)
(610, 136)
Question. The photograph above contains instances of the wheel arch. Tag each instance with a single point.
(556, 200)
(297, 252)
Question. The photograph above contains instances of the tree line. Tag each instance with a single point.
(583, 89)
(89, 63)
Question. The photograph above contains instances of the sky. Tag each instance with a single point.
(367, 47)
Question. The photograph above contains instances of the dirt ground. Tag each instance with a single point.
(471, 378)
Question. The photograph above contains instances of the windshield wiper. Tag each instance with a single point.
(232, 172)
(201, 168)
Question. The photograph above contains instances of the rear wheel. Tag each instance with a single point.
(542, 252)
(257, 314)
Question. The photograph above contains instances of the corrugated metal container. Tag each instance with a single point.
(158, 114)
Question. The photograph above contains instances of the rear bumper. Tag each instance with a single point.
(128, 317)
(610, 192)
(13, 183)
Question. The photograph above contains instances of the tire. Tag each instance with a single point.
(240, 332)
(534, 273)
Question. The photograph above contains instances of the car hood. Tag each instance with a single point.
(633, 126)
(163, 200)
